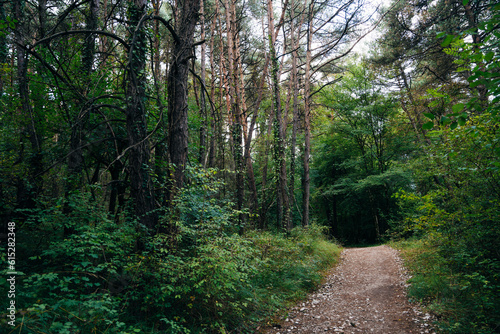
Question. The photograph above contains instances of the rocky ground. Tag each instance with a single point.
(365, 293)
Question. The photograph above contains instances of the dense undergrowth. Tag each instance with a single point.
(453, 220)
(452, 216)
(463, 297)
(198, 276)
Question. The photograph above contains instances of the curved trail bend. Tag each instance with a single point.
(365, 293)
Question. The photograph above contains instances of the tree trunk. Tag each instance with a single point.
(307, 122)
(264, 206)
(265, 156)
(211, 154)
(4, 49)
(203, 108)
(156, 41)
(75, 156)
(116, 187)
(235, 98)
(250, 173)
(295, 105)
(212, 146)
(139, 158)
(187, 17)
(34, 183)
(279, 151)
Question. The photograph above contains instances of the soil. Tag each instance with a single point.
(365, 293)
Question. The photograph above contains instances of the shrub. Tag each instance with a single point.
(196, 276)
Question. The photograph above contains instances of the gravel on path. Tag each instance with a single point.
(365, 293)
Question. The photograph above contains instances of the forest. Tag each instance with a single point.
(195, 166)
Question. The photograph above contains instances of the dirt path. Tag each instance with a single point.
(365, 293)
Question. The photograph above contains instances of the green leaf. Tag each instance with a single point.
(447, 41)
(445, 120)
(465, 2)
(429, 115)
(458, 107)
(453, 125)
(475, 84)
(489, 56)
(476, 57)
(428, 125)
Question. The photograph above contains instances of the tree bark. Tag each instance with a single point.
(235, 105)
(183, 35)
(212, 154)
(203, 108)
(248, 158)
(34, 184)
(279, 150)
(307, 122)
(139, 159)
(264, 206)
(75, 156)
(3, 47)
(295, 106)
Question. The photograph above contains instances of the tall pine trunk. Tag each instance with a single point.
(212, 146)
(235, 102)
(307, 123)
(203, 156)
(254, 198)
(279, 133)
(295, 104)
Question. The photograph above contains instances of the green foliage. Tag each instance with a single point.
(463, 300)
(230, 283)
(358, 157)
(457, 210)
(68, 284)
(455, 207)
(195, 276)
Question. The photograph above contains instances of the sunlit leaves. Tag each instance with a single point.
(458, 107)
(447, 41)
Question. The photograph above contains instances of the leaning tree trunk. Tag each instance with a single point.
(183, 34)
(140, 178)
